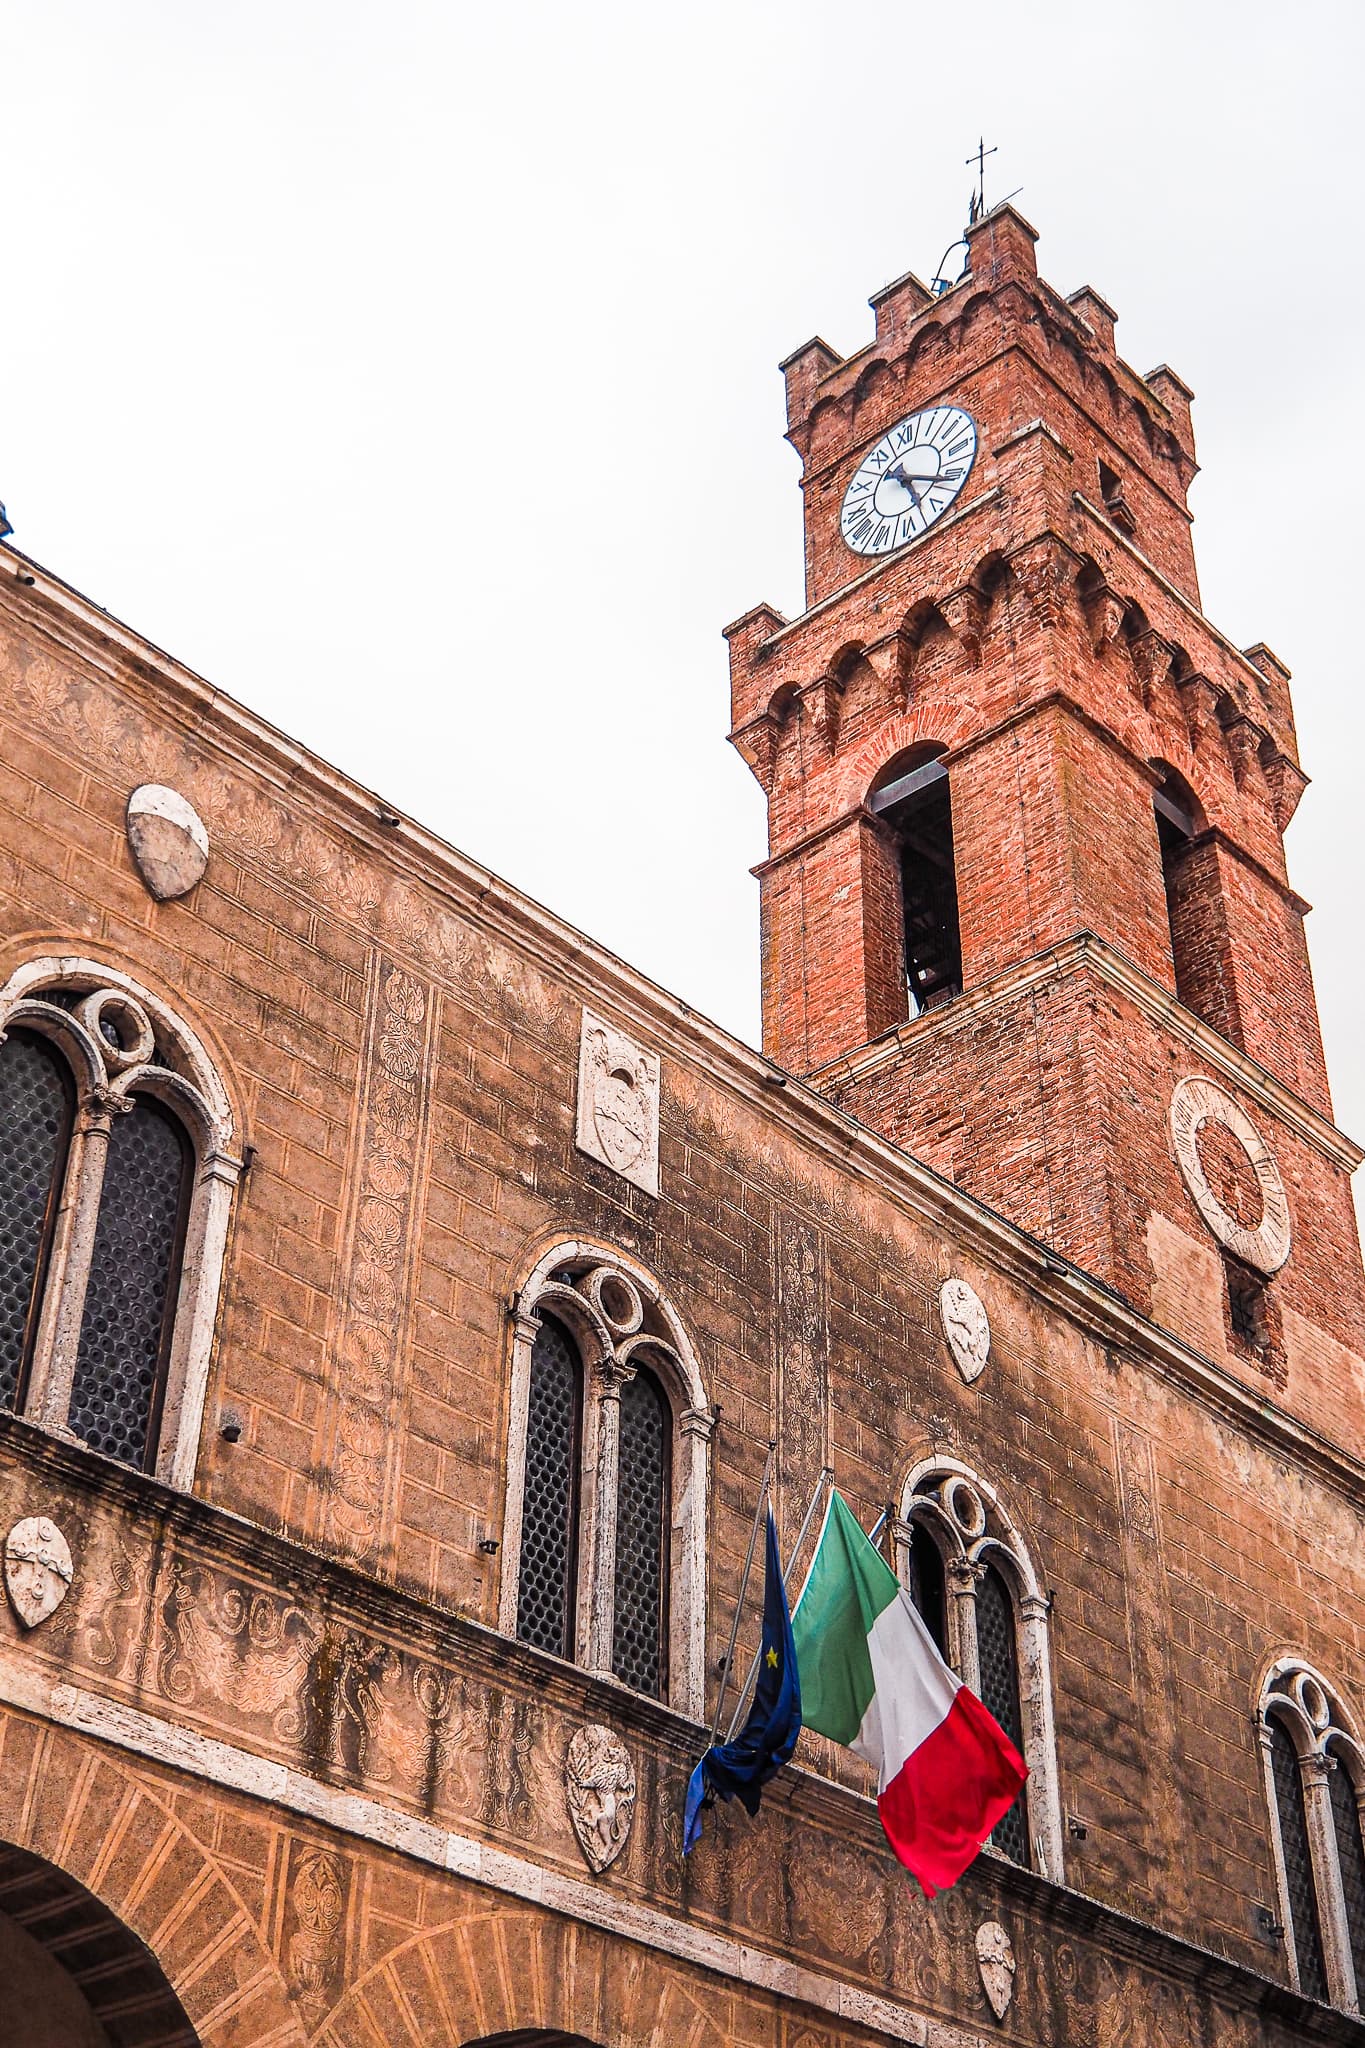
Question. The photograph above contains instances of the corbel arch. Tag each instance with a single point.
(980, 1543)
(623, 1329)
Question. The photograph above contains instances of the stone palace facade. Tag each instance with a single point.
(399, 1294)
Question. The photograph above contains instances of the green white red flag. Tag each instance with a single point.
(872, 1678)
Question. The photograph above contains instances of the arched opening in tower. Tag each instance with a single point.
(916, 807)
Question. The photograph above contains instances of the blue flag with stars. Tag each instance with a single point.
(740, 1769)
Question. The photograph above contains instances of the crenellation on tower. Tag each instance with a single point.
(1099, 783)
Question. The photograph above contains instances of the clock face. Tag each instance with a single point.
(908, 480)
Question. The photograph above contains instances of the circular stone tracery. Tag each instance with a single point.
(1265, 1244)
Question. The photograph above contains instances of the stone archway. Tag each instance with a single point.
(517, 1976)
(75, 1809)
(74, 1973)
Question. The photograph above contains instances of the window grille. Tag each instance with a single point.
(968, 1571)
(35, 1124)
(621, 1407)
(1298, 1862)
(1351, 1856)
(641, 1530)
(1000, 1691)
(545, 1588)
(130, 1297)
(927, 1585)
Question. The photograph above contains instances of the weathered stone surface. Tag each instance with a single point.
(168, 840)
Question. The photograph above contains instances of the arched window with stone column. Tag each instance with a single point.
(117, 1165)
(1314, 1766)
(604, 1536)
(970, 1574)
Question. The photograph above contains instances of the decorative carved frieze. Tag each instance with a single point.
(1266, 1244)
(618, 1103)
(599, 1792)
(38, 1569)
(966, 1327)
(167, 839)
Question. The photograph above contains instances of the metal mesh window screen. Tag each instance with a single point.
(35, 1121)
(1298, 1862)
(1000, 1691)
(927, 1585)
(115, 1395)
(549, 1514)
(639, 1633)
(1351, 1856)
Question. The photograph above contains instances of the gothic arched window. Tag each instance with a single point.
(549, 1540)
(604, 1543)
(115, 1181)
(969, 1573)
(1315, 1795)
(912, 801)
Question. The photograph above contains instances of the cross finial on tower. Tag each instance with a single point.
(978, 201)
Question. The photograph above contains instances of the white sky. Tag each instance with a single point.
(410, 372)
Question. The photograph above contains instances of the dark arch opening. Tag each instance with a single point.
(531, 2037)
(65, 1955)
(912, 800)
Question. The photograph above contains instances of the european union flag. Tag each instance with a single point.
(740, 1769)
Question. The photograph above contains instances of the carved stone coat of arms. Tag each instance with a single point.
(599, 1791)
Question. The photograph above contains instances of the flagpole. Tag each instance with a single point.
(826, 1473)
(743, 1588)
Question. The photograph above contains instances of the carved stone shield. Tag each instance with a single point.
(167, 840)
(995, 1960)
(38, 1568)
(966, 1327)
(599, 1791)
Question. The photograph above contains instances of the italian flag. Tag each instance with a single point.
(872, 1679)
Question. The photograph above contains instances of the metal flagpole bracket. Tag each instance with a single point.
(743, 1588)
(826, 1477)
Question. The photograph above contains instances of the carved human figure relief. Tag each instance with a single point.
(1264, 1244)
(618, 1103)
(995, 1960)
(966, 1327)
(38, 1568)
(599, 1791)
(167, 839)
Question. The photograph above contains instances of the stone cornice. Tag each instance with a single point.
(1155, 1002)
(83, 631)
(835, 597)
(38, 1678)
(363, 1818)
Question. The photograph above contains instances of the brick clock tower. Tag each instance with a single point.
(1025, 908)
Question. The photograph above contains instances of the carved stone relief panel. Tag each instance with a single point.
(966, 1327)
(802, 1362)
(599, 1791)
(995, 1960)
(1265, 1243)
(371, 1330)
(38, 1569)
(167, 840)
(618, 1103)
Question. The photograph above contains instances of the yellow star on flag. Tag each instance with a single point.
(772, 1659)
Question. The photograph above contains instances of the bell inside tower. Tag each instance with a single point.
(915, 807)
